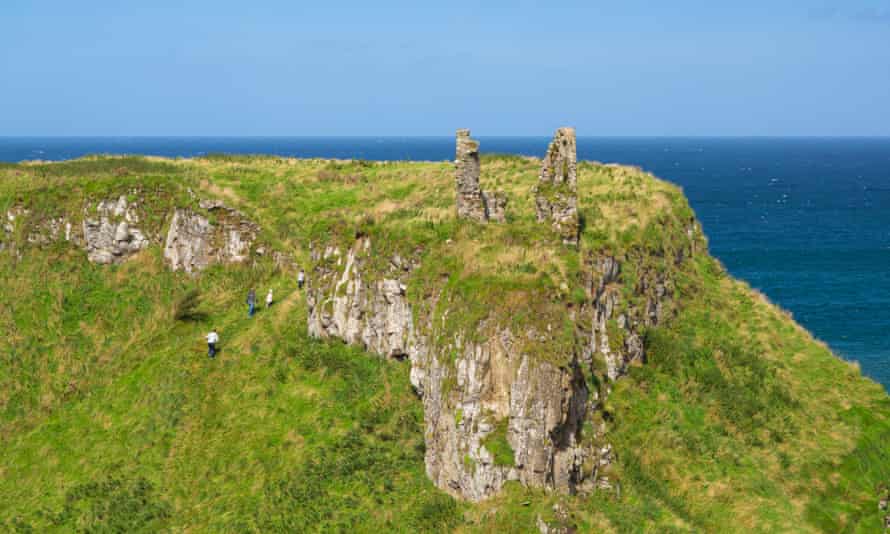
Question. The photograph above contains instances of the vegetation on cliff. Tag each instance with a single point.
(111, 415)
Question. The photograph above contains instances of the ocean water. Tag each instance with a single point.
(805, 220)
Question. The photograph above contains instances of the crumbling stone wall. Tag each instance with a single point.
(472, 202)
(495, 205)
(556, 197)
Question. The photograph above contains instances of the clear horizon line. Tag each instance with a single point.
(443, 136)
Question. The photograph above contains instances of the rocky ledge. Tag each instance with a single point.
(112, 230)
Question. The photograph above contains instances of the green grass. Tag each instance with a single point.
(497, 444)
(112, 418)
(279, 431)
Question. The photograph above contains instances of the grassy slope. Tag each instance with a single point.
(110, 411)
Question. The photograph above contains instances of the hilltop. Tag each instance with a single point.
(685, 401)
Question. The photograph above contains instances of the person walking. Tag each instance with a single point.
(251, 302)
(212, 340)
(269, 299)
(301, 279)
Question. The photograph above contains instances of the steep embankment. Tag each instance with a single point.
(685, 400)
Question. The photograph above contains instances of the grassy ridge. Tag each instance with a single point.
(112, 417)
(252, 440)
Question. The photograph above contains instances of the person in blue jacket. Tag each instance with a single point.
(251, 302)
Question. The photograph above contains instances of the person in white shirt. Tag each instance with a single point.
(212, 340)
(301, 279)
(269, 299)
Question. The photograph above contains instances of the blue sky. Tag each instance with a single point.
(267, 67)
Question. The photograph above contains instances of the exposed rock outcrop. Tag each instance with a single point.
(343, 304)
(494, 414)
(114, 229)
(111, 235)
(194, 242)
(492, 411)
(489, 393)
(556, 197)
(472, 202)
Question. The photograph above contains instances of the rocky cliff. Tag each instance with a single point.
(111, 230)
(494, 411)
(525, 366)
(507, 396)
(194, 242)
(513, 370)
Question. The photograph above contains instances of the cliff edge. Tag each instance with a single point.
(499, 343)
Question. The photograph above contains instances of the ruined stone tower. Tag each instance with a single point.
(470, 202)
(556, 197)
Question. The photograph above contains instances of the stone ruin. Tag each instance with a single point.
(556, 196)
(472, 202)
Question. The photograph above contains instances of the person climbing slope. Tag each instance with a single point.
(301, 279)
(269, 299)
(212, 340)
(251, 302)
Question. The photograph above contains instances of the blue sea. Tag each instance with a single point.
(805, 220)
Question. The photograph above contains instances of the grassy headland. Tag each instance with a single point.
(112, 418)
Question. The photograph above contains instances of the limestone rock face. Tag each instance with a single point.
(556, 197)
(112, 234)
(617, 337)
(188, 242)
(491, 397)
(372, 314)
(496, 391)
(470, 203)
(193, 242)
(115, 229)
(485, 396)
